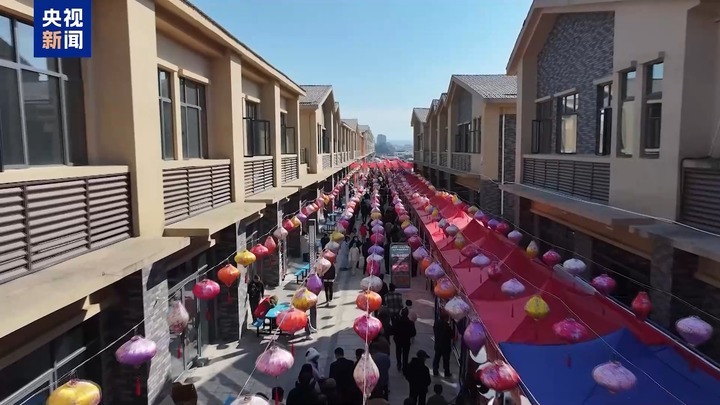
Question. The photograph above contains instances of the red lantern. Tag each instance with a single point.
(494, 271)
(641, 306)
(368, 301)
(367, 327)
(288, 225)
(372, 268)
(604, 284)
(551, 258)
(503, 228)
(499, 376)
(377, 238)
(292, 320)
(270, 244)
(206, 289)
(259, 251)
(469, 251)
(570, 331)
(330, 256)
(414, 242)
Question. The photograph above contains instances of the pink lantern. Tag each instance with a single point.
(499, 376)
(274, 361)
(469, 251)
(288, 225)
(570, 330)
(314, 283)
(420, 253)
(515, 236)
(694, 330)
(136, 351)
(270, 244)
(494, 271)
(503, 228)
(480, 260)
(474, 336)
(551, 258)
(345, 223)
(574, 266)
(302, 217)
(367, 327)
(206, 289)
(329, 256)
(260, 251)
(280, 233)
(372, 268)
(366, 374)
(178, 317)
(614, 377)
(457, 308)
(414, 242)
(410, 231)
(604, 284)
(434, 272)
(377, 238)
(512, 288)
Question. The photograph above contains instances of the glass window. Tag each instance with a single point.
(604, 124)
(43, 123)
(542, 127)
(75, 111)
(7, 50)
(654, 74)
(194, 132)
(627, 113)
(628, 85)
(24, 41)
(567, 142)
(13, 149)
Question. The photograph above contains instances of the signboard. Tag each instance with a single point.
(62, 29)
(400, 265)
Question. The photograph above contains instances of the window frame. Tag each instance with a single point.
(651, 99)
(162, 101)
(201, 108)
(626, 98)
(603, 124)
(570, 113)
(284, 140)
(542, 127)
(251, 117)
(62, 81)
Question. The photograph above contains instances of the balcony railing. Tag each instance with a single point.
(585, 179)
(701, 194)
(461, 162)
(303, 156)
(326, 161)
(418, 156)
(188, 191)
(258, 174)
(289, 168)
(443, 159)
(47, 222)
(433, 158)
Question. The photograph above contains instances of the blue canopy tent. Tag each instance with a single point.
(664, 377)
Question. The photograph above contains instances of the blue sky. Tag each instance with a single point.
(383, 57)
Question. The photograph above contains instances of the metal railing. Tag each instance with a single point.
(258, 174)
(289, 168)
(584, 179)
(461, 161)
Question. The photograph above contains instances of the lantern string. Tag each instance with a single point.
(590, 260)
(157, 301)
(612, 349)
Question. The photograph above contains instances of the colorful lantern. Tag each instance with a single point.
(372, 283)
(494, 271)
(536, 308)
(296, 221)
(457, 308)
(322, 265)
(228, 274)
(376, 250)
(249, 400)
(425, 263)
(512, 288)
(570, 330)
(452, 230)
(136, 351)
(245, 258)
(366, 374)
(372, 268)
(472, 210)
(434, 271)
(288, 225)
(420, 253)
(76, 392)
(499, 376)
(641, 305)
(405, 224)
(280, 233)
(329, 256)
(469, 251)
(480, 260)
(614, 377)
(367, 327)
(410, 231)
(604, 284)
(301, 217)
(368, 301)
(292, 320)
(337, 237)
(479, 216)
(459, 242)
(376, 215)
(414, 242)
(332, 246)
(304, 299)
(515, 236)
(377, 229)
(377, 238)
(474, 336)
(274, 361)
(443, 223)
(532, 249)
(694, 330)
(178, 317)
(206, 289)
(574, 266)
(260, 251)
(445, 289)
(502, 228)
(314, 283)
(551, 258)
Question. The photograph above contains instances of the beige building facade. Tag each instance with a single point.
(127, 177)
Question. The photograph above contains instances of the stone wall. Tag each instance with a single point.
(578, 50)
(490, 197)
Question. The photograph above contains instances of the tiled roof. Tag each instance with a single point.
(421, 113)
(315, 94)
(491, 86)
(351, 122)
(435, 103)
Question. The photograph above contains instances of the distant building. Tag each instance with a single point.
(381, 139)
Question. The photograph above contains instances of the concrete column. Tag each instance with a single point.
(527, 93)
(131, 134)
(270, 267)
(228, 126)
(583, 246)
(293, 244)
(270, 110)
(673, 271)
(314, 160)
(449, 135)
(293, 120)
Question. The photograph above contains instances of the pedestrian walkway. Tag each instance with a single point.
(230, 364)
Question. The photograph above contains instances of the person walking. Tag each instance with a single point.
(341, 370)
(329, 284)
(382, 361)
(304, 392)
(393, 302)
(354, 259)
(305, 248)
(418, 377)
(384, 289)
(256, 290)
(443, 345)
(363, 231)
(403, 332)
(312, 357)
(343, 255)
(331, 392)
(438, 398)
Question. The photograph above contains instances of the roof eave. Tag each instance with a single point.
(522, 39)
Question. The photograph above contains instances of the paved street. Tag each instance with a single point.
(230, 364)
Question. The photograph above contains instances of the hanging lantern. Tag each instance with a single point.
(480, 260)
(274, 361)
(367, 327)
(414, 242)
(443, 223)
(304, 299)
(495, 272)
(368, 301)
(570, 330)
(337, 237)
(604, 284)
(178, 317)
(574, 266)
(503, 228)
(410, 231)
(372, 283)
(245, 258)
(551, 258)
(322, 265)
(479, 216)
(332, 246)
(457, 308)
(641, 305)
(469, 251)
(228, 274)
(420, 253)
(329, 256)
(402, 218)
(136, 351)
(375, 258)
(515, 236)
(280, 233)
(288, 225)
(472, 210)
(372, 268)
(459, 242)
(474, 336)
(405, 224)
(425, 263)
(270, 245)
(206, 289)
(536, 308)
(295, 221)
(314, 283)
(434, 272)
(376, 250)
(292, 320)
(445, 289)
(452, 230)
(302, 218)
(260, 251)
(76, 392)
(377, 238)
(614, 377)
(532, 249)
(429, 209)
(499, 376)
(512, 288)
(377, 229)
(694, 330)
(376, 215)
(366, 374)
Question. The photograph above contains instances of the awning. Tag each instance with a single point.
(212, 221)
(271, 196)
(683, 238)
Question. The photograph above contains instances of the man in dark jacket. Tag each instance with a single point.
(443, 345)
(304, 392)
(403, 332)
(256, 290)
(341, 370)
(418, 377)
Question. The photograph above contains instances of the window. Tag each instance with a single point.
(542, 128)
(288, 136)
(604, 122)
(194, 130)
(653, 108)
(567, 109)
(476, 146)
(627, 113)
(463, 138)
(42, 119)
(257, 132)
(325, 141)
(166, 115)
(319, 139)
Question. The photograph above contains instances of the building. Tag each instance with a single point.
(381, 139)
(464, 142)
(126, 178)
(617, 112)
